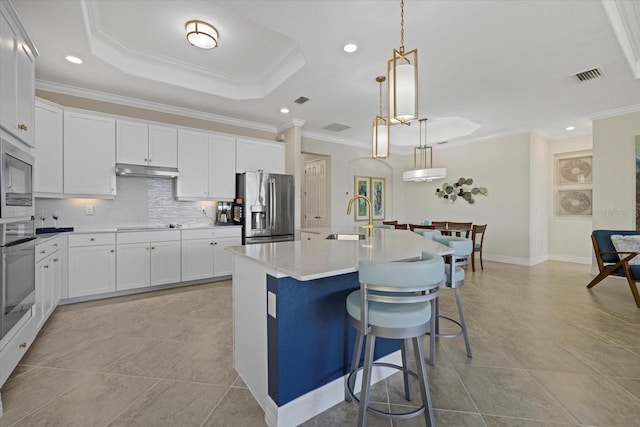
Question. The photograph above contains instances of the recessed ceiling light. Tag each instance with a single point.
(350, 47)
(284, 110)
(73, 59)
(570, 127)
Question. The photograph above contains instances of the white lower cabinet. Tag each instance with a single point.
(92, 264)
(147, 258)
(48, 279)
(15, 346)
(203, 252)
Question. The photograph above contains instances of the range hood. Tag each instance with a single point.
(124, 169)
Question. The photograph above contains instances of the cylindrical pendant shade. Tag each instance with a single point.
(403, 86)
(380, 138)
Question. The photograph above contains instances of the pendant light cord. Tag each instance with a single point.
(401, 26)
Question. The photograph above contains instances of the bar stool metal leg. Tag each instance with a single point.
(355, 360)
(405, 365)
(366, 380)
(463, 322)
(424, 382)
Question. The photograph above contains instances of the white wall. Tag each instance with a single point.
(348, 161)
(540, 178)
(569, 238)
(502, 166)
(614, 177)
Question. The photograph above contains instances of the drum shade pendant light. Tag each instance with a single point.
(423, 170)
(380, 129)
(402, 70)
(202, 35)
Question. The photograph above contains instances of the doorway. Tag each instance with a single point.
(316, 200)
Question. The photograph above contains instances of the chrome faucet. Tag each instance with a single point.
(369, 226)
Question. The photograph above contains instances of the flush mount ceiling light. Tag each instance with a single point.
(423, 170)
(202, 35)
(570, 128)
(73, 59)
(380, 129)
(284, 110)
(350, 47)
(402, 70)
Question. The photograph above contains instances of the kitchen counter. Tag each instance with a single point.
(292, 339)
(313, 259)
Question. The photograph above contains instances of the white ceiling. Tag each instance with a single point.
(505, 65)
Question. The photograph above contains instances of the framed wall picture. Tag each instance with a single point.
(377, 197)
(575, 170)
(362, 187)
(575, 202)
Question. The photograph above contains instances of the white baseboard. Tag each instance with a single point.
(536, 260)
(569, 258)
(319, 400)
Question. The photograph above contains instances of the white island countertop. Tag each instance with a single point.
(317, 258)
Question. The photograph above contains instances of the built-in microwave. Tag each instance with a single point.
(16, 186)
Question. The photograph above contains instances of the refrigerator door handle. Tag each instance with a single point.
(272, 203)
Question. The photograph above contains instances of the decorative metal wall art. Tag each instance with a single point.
(573, 184)
(461, 189)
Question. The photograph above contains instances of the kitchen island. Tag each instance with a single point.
(291, 336)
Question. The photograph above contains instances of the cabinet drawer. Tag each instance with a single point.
(149, 236)
(227, 231)
(16, 348)
(201, 233)
(94, 239)
(45, 249)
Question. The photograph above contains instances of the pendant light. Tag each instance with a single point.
(402, 70)
(423, 170)
(380, 129)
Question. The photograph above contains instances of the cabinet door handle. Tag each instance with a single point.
(112, 251)
(22, 126)
(91, 239)
(55, 244)
(46, 266)
(23, 345)
(146, 160)
(153, 247)
(55, 260)
(212, 243)
(215, 243)
(43, 252)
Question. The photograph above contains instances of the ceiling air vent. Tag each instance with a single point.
(336, 127)
(301, 100)
(592, 74)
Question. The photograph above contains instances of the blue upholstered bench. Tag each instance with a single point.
(614, 262)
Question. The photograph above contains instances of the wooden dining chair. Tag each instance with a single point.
(401, 226)
(421, 226)
(395, 221)
(464, 226)
(442, 226)
(477, 236)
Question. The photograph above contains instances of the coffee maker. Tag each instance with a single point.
(224, 214)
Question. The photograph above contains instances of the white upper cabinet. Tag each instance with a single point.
(206, 165)
(89, 154)
(139, 143)
(254, 155)
(48, 151)
(17, 72)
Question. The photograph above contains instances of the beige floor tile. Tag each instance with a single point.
(19, 370)
(94, 402)
(591, 399)
(237, 408)
(30, 391)
(631, 385)
(93, 353)
(609, 360)
(344, 414)
(486, 352)
(208, 364)
(444, 419)
(492, 421)
(510, 392)
(53, 345)
(153, 359)
(171, 404)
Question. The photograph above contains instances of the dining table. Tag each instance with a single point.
(450, 230)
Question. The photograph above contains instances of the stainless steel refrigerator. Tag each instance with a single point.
(267, 213)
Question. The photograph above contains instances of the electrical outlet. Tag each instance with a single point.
(88, 209)
(204, 211)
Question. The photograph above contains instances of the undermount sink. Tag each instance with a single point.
(345, 236)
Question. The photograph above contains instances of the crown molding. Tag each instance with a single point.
(148, 105)
(292, 123)
(615, 112)
(624, 17)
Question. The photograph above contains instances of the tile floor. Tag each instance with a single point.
(547, 352)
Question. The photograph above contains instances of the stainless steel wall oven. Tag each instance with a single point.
(17, 272)
(16, 186)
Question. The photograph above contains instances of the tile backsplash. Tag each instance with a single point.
(139, 202)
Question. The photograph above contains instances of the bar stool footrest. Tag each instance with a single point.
(452, 335)
(351, 379)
